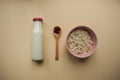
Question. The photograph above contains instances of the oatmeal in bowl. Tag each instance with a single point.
(81, 42)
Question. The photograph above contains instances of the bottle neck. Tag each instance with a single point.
(37, 26)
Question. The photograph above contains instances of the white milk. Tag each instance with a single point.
(37, 41)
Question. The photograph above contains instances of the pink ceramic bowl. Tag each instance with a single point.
(93, 46)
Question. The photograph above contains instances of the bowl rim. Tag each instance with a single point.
(87, 54)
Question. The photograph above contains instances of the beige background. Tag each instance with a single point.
(103, 16)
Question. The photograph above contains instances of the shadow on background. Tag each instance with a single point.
(39, 62)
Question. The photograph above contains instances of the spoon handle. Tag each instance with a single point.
(57, 50)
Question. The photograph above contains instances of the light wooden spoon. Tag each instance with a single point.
(57, 33)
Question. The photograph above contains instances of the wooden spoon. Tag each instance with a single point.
(57, 34)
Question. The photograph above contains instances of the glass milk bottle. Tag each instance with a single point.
(37, 40)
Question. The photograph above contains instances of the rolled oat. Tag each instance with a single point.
(80, 41)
